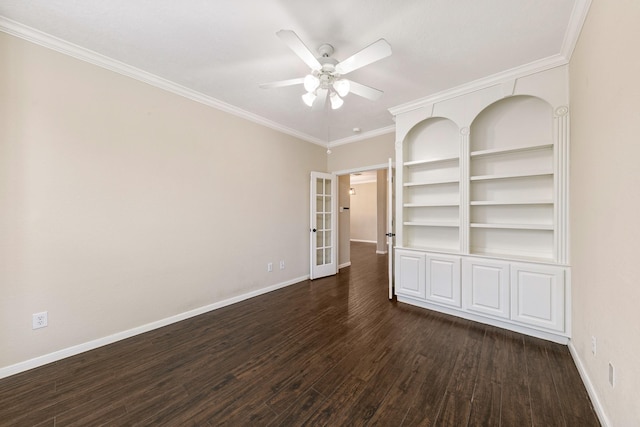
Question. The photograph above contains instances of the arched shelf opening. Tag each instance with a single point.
(512, 180)
(431, 186)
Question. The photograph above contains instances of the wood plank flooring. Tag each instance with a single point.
(333, 351)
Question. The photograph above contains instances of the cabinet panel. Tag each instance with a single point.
(443, 279)
(410, 274)
(485, 286)
(538, 295)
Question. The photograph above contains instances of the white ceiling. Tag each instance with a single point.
(221, 50)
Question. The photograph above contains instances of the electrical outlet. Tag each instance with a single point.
(593, 345)
(270, 267)
(612, 375)
(281, 265)
(39, 320)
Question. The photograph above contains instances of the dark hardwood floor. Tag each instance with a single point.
(333, 351)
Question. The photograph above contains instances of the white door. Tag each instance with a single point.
(324, 199)
(390, 230)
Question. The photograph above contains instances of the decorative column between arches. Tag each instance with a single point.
(561, 159)
(464, 189)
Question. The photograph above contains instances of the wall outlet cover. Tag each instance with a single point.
(40, 320)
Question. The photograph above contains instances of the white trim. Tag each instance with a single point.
(576, 21)
(48, 41)
(473, 86)
(346, 264)
(361, 169)
(597, 405)
(366, 181)
(363, 136)
(363, 241)
(381, 252)
(91, 345)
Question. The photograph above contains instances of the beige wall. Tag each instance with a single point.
(605, 204)
(369, 152)
(364, 212)
(122, 204)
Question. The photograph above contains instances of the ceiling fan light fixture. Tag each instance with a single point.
(342, 86)
(336, 101)
(311, 82)
(308, 98)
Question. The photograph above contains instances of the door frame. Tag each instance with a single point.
(382, 166)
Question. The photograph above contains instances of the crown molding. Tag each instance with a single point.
(363, 136)
(50, 42)
(475, 85)
(576, 21)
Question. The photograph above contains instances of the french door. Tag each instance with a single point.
(323, 230)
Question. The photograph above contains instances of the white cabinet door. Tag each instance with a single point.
(410, 274)
(485, 287)
(538, 295)
(443, 279)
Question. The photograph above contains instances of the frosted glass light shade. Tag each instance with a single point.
(336, 101)
(308, 98)
(342, 87)
(311, 83)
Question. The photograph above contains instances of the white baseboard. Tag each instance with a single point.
(91, 345)
(597, 406)
(346, 264)
(363, 241)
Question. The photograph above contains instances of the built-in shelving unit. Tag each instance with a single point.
(482, 206)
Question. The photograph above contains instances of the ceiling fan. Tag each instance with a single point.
(325, 81)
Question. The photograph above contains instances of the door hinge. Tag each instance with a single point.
(390, 234)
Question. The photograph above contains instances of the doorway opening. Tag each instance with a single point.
(362, 213)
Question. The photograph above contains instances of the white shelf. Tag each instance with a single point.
(430, 205)
(510, 202)
(507, 150)
(432, 224)
(432, 182)
(511, 176)
(430, 161)
(548, 227)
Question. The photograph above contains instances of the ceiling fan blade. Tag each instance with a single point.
(372, 53)
(365, 91)
(282, 83)
(299, 48)
(321, 100)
